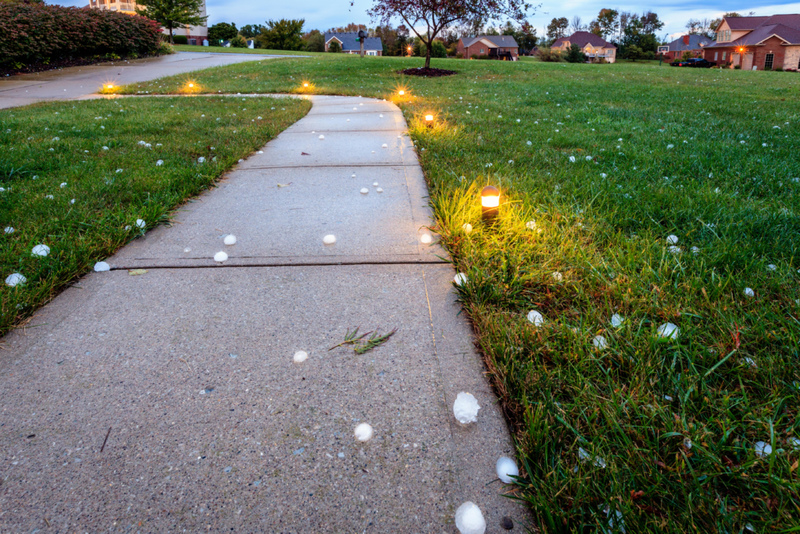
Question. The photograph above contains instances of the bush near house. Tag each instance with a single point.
(33, 34)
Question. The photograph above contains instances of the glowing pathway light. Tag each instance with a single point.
(490, 203)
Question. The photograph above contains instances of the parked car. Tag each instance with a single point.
(693, 62)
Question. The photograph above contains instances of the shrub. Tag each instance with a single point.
(180, 39)
(38, 33)
(575, 55)
(549, 55)
(334, 47)
(238, 42)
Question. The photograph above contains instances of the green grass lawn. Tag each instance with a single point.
(230, 50)
(598, 166)
(77, 176)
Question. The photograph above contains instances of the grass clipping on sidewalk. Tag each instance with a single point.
(78, 176)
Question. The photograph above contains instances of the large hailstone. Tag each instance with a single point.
(363, 432)
(101, 267)
(763, 449)
(425, 239)
(668, 330)
(465, 408)
(140, 223)
(469, 519)
(9, 229)
(230, 239)
(600, 343)
(748, 292)
(15, 279)
(672, 239)
(467, 227)
(506, 468)
(40, 250)
(460, 279)
(617, 320)
(300, 356)
(220, 256)
(329, 239)
(536, 318)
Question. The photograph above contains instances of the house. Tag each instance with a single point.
(493, 46)
(350, 45)
(694, 44)
(757, 43)
(195, 35)
(595, 47)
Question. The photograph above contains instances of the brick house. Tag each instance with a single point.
(757, 43)
(594, 46)
(492, 46)
(694, 44)
(373, 46)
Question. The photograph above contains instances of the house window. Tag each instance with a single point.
(716, 56)
(723, 55)
(768, 60)
(481, 50)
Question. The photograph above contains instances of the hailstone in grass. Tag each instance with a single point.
(750, 361)
(557, 276)
(363, 432)
(140, 223)
(536, 318)
(668, 330)
(467, 227)
(460, 279)
(672, 239)
(40, 250)
(9, 229)
(772, 267)
(364, 190)
(220, 256)
(201, 159)
(600, 343)
(695, 251)
(49, 197)
(465, 408)
(63, 185)
(617, 320)
(15, 279)
(506, 468)
(101, 267)
(426, 238)
(329, 239)
(572, 159)
(469, 519)
(748, 292)
(230, 239)
(300, 356)
(159, 163)
(674, 249)
(763, 449)
(794, 442)
(530, 225)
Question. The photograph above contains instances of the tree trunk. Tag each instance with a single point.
(428, 54)
(170, 36)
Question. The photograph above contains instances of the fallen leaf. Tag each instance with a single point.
(137, 272)
(304, 154)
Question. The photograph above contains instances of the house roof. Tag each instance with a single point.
(745, 23)
(786, 27)
(349, 42)
(695, 42)
(582, 39)
(500, 41)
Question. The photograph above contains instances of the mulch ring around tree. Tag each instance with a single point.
(427, 72)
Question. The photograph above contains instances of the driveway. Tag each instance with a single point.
(76, 82)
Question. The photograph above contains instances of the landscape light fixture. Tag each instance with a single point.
(429, 120)
(109, 86)
(305, 84)
(490, 203)
(401, 92)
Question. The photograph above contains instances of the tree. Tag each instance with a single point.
(172, 13)
(314, 41)
(608, 22)
(438, 15)
(350, 28)
(575, 54)
(334, 47)
(557, 29)
(222, 31)
(633, 53)
(282, 35)
(577, 24)
(250, 31)
(238, 42)
(700, 27)
(526, 38)
(650, 23)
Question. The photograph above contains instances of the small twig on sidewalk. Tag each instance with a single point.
(350, 338)
(187, 364)
(105, 440)
(360, 345)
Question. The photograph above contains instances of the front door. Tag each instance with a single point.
(748, 61)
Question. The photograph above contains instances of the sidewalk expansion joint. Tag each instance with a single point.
(437, 261)
(348, 166)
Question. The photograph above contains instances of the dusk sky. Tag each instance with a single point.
(325, 14)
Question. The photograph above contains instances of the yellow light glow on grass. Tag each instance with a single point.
(306, 87)
(108, 88)
(490, 203)
(190, 87)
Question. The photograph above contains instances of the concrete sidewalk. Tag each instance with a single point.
(170, 400)
(78, 82)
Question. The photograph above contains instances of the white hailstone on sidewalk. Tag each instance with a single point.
(230, 239)
(220, 256)
(467, 227)
(763, 449)
(748, 292)
(536, 318)
(140, 223)
(322, 137)
(364, 190)
(465, 408)
(426, 239)
(557, 276)
(384, 145)
(374, 184)
(329, 239)
(363, 432)
(379, 190)
(506, 468)
(353, 175)
(469, 519)
(40, 250)
(9, 229)
(15, 279)
(101, 267)
(460, 279)
(617, 320)
(300, 356)
(668, 330)
(672, 239)
(600, 343)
